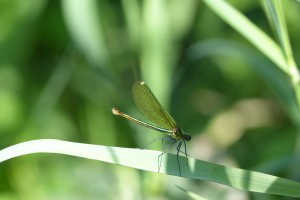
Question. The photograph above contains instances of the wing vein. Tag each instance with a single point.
(150, 107)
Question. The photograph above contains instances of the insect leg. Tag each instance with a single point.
(178, 150)
(164, 150)
(152, 142)
(186, 155)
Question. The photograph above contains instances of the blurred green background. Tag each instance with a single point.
(65, 64)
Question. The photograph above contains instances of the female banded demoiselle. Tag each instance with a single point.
(151, 109)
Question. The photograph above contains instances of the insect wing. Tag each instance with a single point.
(150, 107)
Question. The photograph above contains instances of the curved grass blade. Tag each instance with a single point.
(150, 107)
(250, 31)
(146, 160)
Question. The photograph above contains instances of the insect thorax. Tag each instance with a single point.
(179, 135)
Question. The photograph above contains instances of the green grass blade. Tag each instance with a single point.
(191, 194)
(250, 31)
(276, 17)
(274, 77)
(82, 21)
(147, 160)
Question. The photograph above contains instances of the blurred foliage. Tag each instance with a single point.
(64, 65)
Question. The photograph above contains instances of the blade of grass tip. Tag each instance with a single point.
(191, 194)
(250, 31)
(147, 160)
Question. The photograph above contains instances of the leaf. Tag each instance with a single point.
(191, 194)
(147, 160)
(250, 31)
(82, 21)
(275, 15)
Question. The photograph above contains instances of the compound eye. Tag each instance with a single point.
(187, 138)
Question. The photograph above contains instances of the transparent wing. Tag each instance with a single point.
(150, 107)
